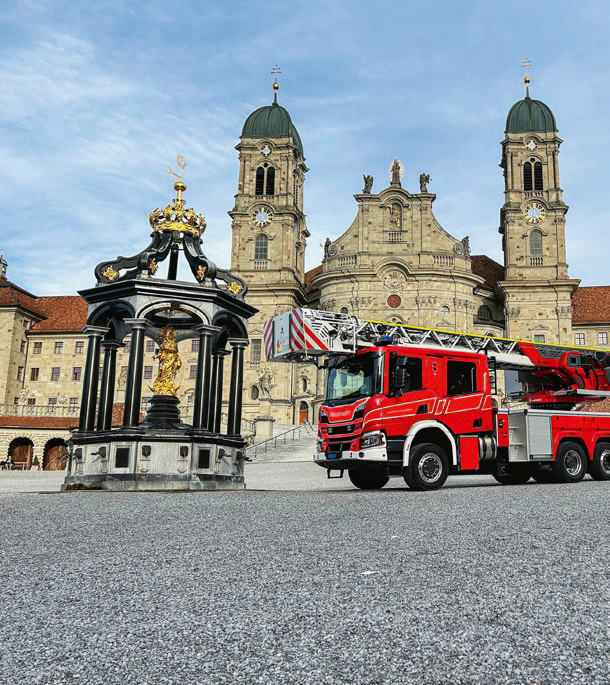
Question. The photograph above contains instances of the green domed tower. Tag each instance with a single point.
(532, 223)
(268, 248)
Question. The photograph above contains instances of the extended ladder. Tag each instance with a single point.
(305, 335)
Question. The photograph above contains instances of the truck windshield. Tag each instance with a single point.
(354, 377)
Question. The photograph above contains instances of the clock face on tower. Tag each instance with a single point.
(533, 212)
(262, 216)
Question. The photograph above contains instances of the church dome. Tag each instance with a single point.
(530, 115)
(271, 121)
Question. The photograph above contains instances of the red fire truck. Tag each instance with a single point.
(419, 403)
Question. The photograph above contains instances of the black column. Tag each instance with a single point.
(92, 370)
(203, 384)
(215, 412)
(104, 414)
(133, 386)
(237, 385)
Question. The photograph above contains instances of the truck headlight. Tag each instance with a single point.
(372, 440)
(319, 445)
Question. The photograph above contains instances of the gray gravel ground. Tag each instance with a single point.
(470, 584)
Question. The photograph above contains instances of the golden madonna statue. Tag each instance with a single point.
(169, 364)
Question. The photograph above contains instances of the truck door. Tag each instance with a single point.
(409, 398)
(466, 397)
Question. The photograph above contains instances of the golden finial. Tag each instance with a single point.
(527, 80)
(275, 71)
(182, 164)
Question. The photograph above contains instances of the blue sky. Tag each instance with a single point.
(97, 99)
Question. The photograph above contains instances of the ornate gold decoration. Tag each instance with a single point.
(201, 271)
(153, 266)
(110, 273)
(169, 364)
(175, 217)
(235, 288)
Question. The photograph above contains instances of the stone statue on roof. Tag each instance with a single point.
(368, 184)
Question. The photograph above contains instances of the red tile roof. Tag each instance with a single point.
(591, 304)
(65, 422)
(64, 314)
(309, 288)
(488, 269)
(12, 295)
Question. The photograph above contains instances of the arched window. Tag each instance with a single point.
(538, 176)
(484, 312)
(260, 181)
(303, 384)
(527, 176)
(265, 180)
(270, 184)
(261, 247)
(536, 243)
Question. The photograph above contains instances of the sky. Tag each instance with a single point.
(98, 98)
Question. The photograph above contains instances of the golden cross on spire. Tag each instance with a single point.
(275, 71)
(526, 64)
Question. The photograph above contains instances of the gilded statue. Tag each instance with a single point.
(169, 363)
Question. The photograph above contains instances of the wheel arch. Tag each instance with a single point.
(433, 432)
(579, 441)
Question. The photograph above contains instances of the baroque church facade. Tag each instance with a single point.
(397, 263)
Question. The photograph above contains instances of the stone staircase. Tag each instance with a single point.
(290, 445)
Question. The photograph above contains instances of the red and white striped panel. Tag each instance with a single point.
(297, 340)
(268, 335)
(312, 340)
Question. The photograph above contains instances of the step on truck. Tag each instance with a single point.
(420, 403)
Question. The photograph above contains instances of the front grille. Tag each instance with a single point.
(338, 446)
(341, 430)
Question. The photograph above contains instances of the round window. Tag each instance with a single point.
(254, 392)
(344, 310)
(394, 301)
(445, 310)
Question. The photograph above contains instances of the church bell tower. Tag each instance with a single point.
(536, 288)
(268, 246)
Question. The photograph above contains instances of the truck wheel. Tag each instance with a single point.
(543, 475)
(428, 468)
(368, 479)
(599, 468)
(516, 478)
(570, 463)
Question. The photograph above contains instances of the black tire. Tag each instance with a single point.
(570, 463)
(517, 478)
(542, 475)
(368, 479)
(428, 467)
(599, 467)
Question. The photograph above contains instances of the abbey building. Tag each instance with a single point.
(395, 262)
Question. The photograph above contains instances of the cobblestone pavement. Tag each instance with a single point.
(473, 584)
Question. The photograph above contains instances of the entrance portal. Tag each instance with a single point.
(303, 413)
(55, 452)
(21, 449)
